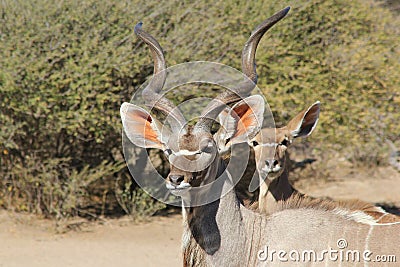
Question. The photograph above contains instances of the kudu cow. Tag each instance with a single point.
(270, 147)
(223, 232)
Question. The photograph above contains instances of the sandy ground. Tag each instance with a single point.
(379, 185)
(28, 241)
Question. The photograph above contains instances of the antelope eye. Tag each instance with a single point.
(254, 143)
(167, 152)
(227, 141)
(285, 142)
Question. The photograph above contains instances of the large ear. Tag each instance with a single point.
(305, 122)
(243, 121)
(140, 127)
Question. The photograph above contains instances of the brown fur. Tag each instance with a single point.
(298, 200)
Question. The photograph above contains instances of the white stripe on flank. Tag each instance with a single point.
(360, 217)
(381, 210)
(357, 216)
(367, 242)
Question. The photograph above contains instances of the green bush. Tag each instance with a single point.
(67, 66)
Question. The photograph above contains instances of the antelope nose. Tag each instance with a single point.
(176, 179)
(271, 163)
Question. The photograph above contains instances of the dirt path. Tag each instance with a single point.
(378, 185)
(28, 241)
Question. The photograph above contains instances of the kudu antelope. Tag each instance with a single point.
(270, 146)
(223, 232)
(272, 161)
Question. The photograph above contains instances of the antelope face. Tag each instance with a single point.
(190, 158)
(270, 145)
(193, 154)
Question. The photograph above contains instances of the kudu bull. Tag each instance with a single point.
(223, 232)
